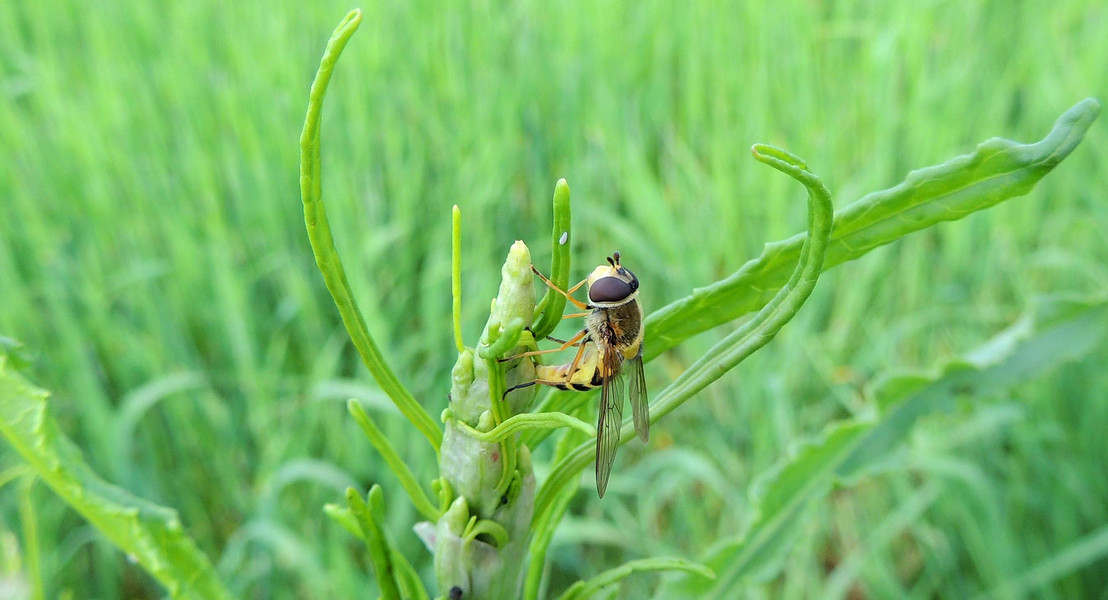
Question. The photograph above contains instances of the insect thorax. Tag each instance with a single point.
(618, 326)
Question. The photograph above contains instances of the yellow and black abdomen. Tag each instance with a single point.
(585, 374)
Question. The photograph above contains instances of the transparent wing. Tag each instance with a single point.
(636, 393)
(609, 421)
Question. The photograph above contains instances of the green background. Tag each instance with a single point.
(154, 261)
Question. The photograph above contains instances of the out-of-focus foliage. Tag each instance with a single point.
(153, 261)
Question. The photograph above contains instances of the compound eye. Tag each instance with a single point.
(609, 289)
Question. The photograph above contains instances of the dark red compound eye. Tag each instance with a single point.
(609, 289)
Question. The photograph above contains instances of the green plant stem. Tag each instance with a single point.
(323, 244)
(456, 275)
(396, 464)
(527, 421)
(369, 515)
(543, 529)
(751, 336)
(549, 310)
(586, 589)
(500, 412)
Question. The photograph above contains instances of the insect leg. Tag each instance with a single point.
(573, 366)
(559, 341)
(571, 342)
(578, 286)
(575, 301)
(520, 386)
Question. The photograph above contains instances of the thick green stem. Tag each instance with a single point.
(478, 542)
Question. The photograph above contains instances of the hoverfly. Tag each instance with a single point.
(608, 347)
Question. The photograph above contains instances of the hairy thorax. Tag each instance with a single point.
(618, 327)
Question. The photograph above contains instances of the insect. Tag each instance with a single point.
(609, 351)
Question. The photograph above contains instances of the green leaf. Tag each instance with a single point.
(407, 579)
(999, 169)
(528, 421)
(151, 535)
(543, 526)
(396, 464)
(323, 243)
(1085, 552)
(370, 516)
(456, 276)
(15, 351)
(1055, 330)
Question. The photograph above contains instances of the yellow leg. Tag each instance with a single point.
(575, 315)
(573, 366)
(570, 342)
(558, 341)
(549, 283)
(578, 286)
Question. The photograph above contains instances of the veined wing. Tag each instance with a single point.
(610, 419)
(636, 393)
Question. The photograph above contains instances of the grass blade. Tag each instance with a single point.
(1085, 551)
(456, 275)
(779, 500)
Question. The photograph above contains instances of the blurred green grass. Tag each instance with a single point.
(152, 255)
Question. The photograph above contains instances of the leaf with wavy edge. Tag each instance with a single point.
(151, 535)
(999, 169)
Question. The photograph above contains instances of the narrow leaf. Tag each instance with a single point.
(380, 555)
(528, 421)
(323, 243)
(1083, 553)
(1055, 330)
(777, 504)
(456, 275)
(543, 526)
(999, 169)
(407, 480)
